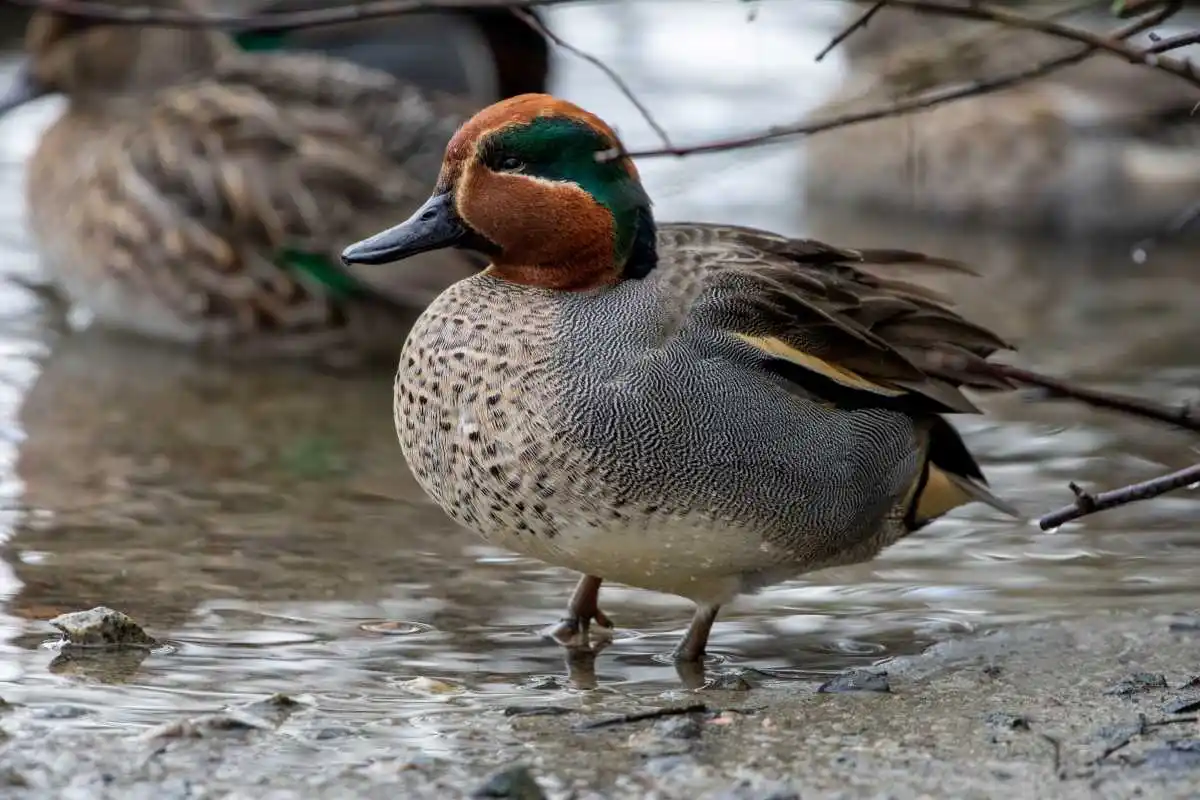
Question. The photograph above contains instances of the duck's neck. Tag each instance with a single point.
(643, 248)
(588, 265)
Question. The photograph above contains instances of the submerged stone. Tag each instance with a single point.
(102, 627)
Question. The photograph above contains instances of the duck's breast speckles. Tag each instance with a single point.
(470, 400)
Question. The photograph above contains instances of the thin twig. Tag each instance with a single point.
(371, 9)
(1185, 416)
(278, 20)
(984, 13)
(640, 716)
(610, 73)
(1087, 503)
(846, 32)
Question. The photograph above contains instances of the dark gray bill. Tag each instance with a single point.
(24, 88)
(434, 226)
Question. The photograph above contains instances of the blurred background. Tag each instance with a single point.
(263, 522)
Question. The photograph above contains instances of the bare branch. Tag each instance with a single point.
(1086, 503)
(849, 30)
(920, 102)
(536, 24)
(281, 20)
(1180, 69)
(1185, 416)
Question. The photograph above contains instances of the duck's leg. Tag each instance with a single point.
(582, 610)
(691, 647)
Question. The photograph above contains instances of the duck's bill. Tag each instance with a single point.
(434, 226)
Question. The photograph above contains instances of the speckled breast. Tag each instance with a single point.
(474, 407)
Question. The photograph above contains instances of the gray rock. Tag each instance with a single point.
(514, 783)
(102, 627)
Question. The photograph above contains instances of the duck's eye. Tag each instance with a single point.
(511, 164)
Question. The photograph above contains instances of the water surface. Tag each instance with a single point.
(263, 522)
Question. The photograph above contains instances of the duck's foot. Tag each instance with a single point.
(575, 630)
(690, 649)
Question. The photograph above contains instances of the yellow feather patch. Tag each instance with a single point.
(944, 492)
(939, 495)
(840, 375)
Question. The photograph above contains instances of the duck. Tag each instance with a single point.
(696, 409)
(479, 52)
(198, 193)
(1101, 149)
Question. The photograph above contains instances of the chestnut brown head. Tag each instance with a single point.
(541, 186)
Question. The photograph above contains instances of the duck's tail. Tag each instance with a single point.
(951, 478)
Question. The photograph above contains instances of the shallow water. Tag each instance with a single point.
(263, 523)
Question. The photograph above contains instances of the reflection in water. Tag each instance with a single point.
(262, 521)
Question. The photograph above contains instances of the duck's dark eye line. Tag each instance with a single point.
(511, 163)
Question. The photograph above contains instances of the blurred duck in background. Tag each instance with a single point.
(481, 53)
(1101, 147)
(198, 188)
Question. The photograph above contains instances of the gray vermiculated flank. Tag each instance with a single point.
(595, 428)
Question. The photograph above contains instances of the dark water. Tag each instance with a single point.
(263, 522)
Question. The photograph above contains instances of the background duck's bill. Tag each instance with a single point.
(435, 225)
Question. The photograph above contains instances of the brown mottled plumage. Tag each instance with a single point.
(702, 410)
(200, 194)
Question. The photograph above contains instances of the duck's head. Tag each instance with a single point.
(89, 58)
(541, 187)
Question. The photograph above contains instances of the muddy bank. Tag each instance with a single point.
(1093, 707)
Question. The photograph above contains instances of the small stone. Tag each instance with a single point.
(1182, 705)
(857, 680)
(660, 766)
(11, 778)
(543, 683)
(679, 728)
(206, 726)
(332, 733)
(263, 715)
(536, 711)
(1182, 754)
(741, 680)
(1007, 721)
(60, 712)
(514, 783)
(102, 627)
(274, 710)
(751, 790)
(1137, 683)
(1184, 625)
(429, 686)
(651, 744)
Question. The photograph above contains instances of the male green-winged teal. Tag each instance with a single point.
(198, 193)
(696, 409)
(1102, 147)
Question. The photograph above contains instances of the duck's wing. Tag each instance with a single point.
(851, 328)
(232, 203)
(858, 319)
